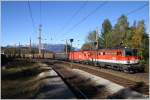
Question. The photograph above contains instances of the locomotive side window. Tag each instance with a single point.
(100, 53)
(118, 53)
(103, 53)
(88, 54)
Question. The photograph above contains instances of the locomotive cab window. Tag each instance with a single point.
(130, 52)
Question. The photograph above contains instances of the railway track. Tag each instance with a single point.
(137, 86)
(68, 78)
(84, 87)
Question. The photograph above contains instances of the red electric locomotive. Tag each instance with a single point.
(118, 59)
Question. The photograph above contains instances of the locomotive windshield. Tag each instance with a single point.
(131, 52)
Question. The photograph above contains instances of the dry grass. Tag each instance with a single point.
(21, 80)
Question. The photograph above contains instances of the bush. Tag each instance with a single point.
(145, 64)
(5, 60)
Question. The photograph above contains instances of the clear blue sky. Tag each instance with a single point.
(17, 25)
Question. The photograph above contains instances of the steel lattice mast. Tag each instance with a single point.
(40, 30)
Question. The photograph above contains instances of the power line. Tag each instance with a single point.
(137, 9)
(133, 11)
(129, 13)
(97, 8)
(75, 14)
(30, 12)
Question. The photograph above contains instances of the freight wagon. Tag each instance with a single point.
(61, 56)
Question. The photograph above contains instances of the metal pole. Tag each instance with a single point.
(30, 51)
(71, 40)
(19, 50)
(40, 26)
(97, 45)
(15, 50)
(30, 45)
(66, 48)
(71, 54)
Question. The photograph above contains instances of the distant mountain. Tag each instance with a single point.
(54, 47)
(48, 47)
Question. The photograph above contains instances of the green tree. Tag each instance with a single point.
(91, 36)
(138, 36)
(86, 46)
(105, 33)
(90, 41)
(120, 31)
(131, 32)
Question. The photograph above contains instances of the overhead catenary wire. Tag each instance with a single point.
(128, 13)
(91, 13)
(133, 11)
(74, 14)
(137, 9)
(31, 16)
